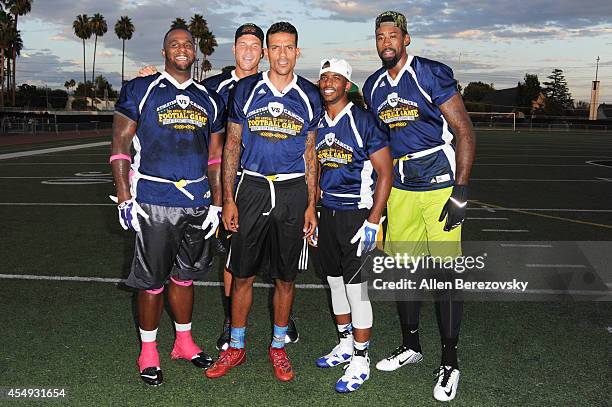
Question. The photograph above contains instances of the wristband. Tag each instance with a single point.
(120, 157)
(214, 161)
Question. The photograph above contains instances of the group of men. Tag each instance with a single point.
(296, 145)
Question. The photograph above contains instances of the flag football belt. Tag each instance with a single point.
(418, 154)
(271, 180)
(180, 184)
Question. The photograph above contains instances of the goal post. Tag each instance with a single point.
(493, 120)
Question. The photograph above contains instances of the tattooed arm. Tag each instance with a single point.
(231, 160)
(312, 180)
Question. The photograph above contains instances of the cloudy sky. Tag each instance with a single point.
(481, 40)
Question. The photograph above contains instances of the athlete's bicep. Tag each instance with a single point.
(456, 115)
(382, 162)
(124, 130)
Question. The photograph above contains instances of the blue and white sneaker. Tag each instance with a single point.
(357, 372)
(341, 353)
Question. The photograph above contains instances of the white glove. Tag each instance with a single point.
(212, 220)
(314, 239)
(366, 236)
(128, 213)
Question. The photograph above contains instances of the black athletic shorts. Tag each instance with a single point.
(336, 256)
(271, 244)
(171, 242)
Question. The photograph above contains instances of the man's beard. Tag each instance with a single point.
(390, 63)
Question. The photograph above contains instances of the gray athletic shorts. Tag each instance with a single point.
(171, 242)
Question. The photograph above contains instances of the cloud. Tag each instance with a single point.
(58, 38)
(466, 18)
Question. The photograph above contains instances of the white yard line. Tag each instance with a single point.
(52, 150)
(506, 230)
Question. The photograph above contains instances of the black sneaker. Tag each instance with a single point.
(292, 333)
(202, 360)
(224, 339)
(152, 376)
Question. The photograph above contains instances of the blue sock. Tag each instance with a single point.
(278, 337)
(237, 337)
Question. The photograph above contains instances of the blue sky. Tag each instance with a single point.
(481, 40)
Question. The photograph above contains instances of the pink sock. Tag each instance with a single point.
(148, 355)
(184, 346)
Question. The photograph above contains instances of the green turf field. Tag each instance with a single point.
(80, 335)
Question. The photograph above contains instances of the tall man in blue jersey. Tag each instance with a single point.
(418, 99)
(273, 116)
(176, 128)
(248, 51)
(356, 177)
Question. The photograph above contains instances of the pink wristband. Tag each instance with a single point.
(214, 161)
(120, 157)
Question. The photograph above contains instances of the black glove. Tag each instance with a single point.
(455, 208)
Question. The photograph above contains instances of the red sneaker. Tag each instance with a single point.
(227, 359)
(281, 364)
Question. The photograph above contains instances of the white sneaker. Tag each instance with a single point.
(341, 353)
(400, 356)
(446, 386)
(355, 374)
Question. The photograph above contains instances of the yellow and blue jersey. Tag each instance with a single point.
(420, 136)
(344, 146)
(222, 83)
(174, 124)
(274, 123)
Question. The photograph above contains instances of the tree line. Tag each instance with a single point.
(551, 97)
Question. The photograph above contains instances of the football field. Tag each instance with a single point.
(67, 320)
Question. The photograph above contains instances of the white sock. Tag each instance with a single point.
(148, 336)
(182, 327)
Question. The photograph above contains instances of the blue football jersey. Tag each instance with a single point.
(344, 146)
(274, 123)
(174, 124)
(222, 83)
(409, 105)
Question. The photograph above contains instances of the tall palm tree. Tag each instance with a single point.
(124, 30)
(7, 36)
(82, 29)
(15, 47)
(207, 46)
(17, 8)
(198, 27)
(98, 29)
(178, 22)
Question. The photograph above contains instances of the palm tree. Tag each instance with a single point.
(124, 30)
(207, 46)
(82, 29)
(178, 22)
(17, 8)
(7, 36)
(98, 29)
(206, 66)
(15, 47)
(198, 27)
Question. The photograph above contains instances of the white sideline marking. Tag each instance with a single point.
(487, 218)
(122, 280)
(533, 165)
(265, 285)
(524, 245)
(51, 150)
(506, 230)
(609, 285)
(567, 266)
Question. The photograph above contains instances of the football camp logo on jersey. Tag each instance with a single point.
(274, 122)
(182, 113)
(398, 112)
(332, 153)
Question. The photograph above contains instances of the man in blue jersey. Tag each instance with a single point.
(356, 178)
(170, 194)
(248, 51)
(418, 99)
(274, 116)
